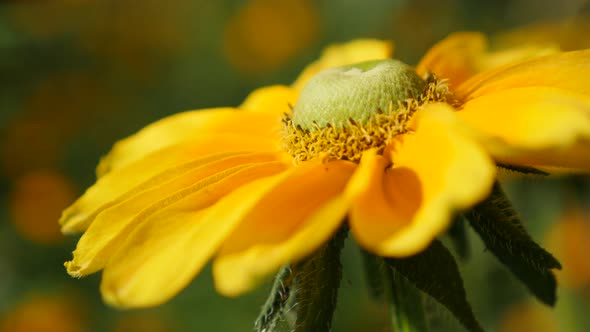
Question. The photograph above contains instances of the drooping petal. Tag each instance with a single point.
(154, 168)
(437, 170)
(537, 126)
(187, 126)
(455, 58)
(200, 188)
(162, 256)
(569, 71)
(289, 223)
(345, 54)
(275, 100)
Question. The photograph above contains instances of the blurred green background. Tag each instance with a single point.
(77, 75)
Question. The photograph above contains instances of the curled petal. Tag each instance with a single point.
(436, 171)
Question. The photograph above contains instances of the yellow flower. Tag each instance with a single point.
(238, 186)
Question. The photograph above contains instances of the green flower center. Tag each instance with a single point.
(355, 92)
(344, 111)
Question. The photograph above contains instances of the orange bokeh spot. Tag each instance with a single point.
(412, 24)
(44, 313)
(528, 316)
(570, 241)
(265, 34)
(58, 108)
(36, 202)
(45, 20)
(135, 36)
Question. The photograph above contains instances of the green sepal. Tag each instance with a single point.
(502, 232)
(435, 272)
(458, 236)
(317, 279)
(272, 311)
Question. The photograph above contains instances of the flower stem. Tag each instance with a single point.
(317, 280)
(273, 309)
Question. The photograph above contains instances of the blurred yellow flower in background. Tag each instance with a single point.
(228, 185)
(570, 239)
(38, 312)
(264, 34)
(36, 200)
(57, 109)
(528, 316)
(569, 34)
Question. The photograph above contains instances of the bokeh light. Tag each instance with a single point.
(265, 34)
(36, 201)
(39, 312)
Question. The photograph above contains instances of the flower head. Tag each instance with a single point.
(395, 151)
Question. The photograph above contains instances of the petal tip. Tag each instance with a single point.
(72, 269)
(228, 283)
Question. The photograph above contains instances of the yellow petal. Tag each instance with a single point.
(162, 256)
(437, 170)
(569, 71)
(455, 58)
(378, 207)
(149, 169)
(516, 54)
(186, 126)
(344, 54)
(200, 188)
(289, 223)
(275, 100)
(536, 126)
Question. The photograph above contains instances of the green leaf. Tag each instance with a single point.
(499, 227)
(458, 235)
(272, 311)
(435, 272)
(317, 280)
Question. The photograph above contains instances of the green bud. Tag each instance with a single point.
(355, 92)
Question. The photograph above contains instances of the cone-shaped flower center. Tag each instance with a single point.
(355, 92)
(344, 111)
